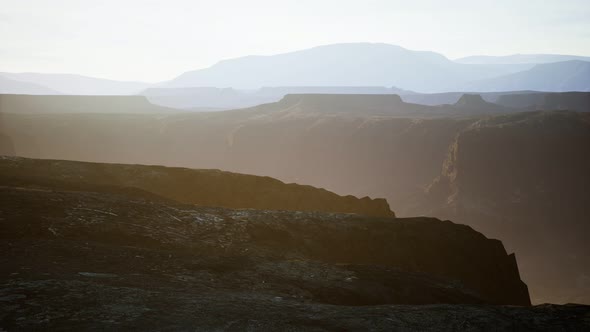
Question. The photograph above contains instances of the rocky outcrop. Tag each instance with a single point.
(201, 187)
(471, 100)
(471, 105)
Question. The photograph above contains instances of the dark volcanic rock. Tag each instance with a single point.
(202, 187)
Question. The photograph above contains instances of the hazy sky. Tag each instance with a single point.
(153, 40)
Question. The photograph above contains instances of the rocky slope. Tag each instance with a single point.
(96, 258)
(201, 187)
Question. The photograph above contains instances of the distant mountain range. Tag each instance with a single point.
(70, 84)
(564, 76)
(519, 59)
(8, 86)
(356, 66)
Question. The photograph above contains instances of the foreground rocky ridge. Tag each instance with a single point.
(95, 258)
(473, 268)
(201, 187)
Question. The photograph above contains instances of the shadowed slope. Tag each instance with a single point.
(524, 178)
(201, 187)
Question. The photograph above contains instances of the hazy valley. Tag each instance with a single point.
(355, 186)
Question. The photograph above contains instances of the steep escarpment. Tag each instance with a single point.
(537, 154)
(524, 178)
(201, 187)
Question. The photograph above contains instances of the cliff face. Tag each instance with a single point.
(524, 178)
(201, 187)
(521, 160)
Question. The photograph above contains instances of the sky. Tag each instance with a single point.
(154, 40)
